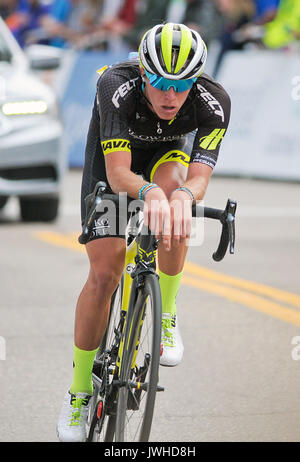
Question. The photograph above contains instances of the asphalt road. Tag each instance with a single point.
(240, 321)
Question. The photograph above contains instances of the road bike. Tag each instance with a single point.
(126, 367)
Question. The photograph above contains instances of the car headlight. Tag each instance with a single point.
(24, 107)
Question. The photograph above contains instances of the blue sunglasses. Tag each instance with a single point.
(165, 84)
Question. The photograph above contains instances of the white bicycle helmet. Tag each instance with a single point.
(173, 51)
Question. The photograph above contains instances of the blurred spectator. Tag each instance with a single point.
(149, 13)
(265, 11)
(206, 17)
(285, 28)
(200, 15)
(69, 21)
(7, 7)
(120, 21)
(92, 13)
(115, 19)
(55, 22)
(243, 23)
(26, 20)
(176, 10)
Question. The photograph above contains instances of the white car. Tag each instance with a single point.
(32, 158)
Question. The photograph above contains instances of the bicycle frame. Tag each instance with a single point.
(140, 258)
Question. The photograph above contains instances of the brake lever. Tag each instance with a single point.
(230, 221)
(91, 203)
(228, 231)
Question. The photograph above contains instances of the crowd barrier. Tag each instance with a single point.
(263, 139)
(75, 85)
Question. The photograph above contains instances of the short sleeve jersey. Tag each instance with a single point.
(126, 120)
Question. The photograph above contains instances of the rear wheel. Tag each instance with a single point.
(39, 209)
(140, 365)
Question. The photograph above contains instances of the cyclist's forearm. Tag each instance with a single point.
(197, 180)
(197, 186)
(124, 180)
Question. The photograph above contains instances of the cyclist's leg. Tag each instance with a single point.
(106, 257)
(106, 252)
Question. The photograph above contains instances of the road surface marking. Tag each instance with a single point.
(268, 291)
(245, 298)
(68, 241)
(248, 293)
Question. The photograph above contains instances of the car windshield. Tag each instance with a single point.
(5, 53)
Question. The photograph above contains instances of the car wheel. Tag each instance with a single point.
(37, 209)
(3, 200)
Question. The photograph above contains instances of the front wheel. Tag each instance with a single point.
(102, 425)
(139, 365)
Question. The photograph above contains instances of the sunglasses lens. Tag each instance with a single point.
(165, 84)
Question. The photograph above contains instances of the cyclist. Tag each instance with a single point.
(155, 133)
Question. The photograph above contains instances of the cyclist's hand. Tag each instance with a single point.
(181, 216)
(157, 215)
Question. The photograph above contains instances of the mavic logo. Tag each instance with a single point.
(174, 156)
(211, 141)
(115, 145)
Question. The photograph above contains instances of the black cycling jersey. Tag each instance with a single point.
(124, 121)
(127, 122)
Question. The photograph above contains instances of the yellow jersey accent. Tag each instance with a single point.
(101, 70)
(109, 146)
(171, 156)
(211, 141)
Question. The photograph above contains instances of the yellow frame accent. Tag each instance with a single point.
(131, 251)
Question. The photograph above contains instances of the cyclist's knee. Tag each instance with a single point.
(103, 282)
(106, 265)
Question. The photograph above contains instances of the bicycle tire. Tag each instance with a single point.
(146, 315)
(108, 431)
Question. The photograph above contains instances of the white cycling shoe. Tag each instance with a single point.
(171, 341)
(71, 427)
